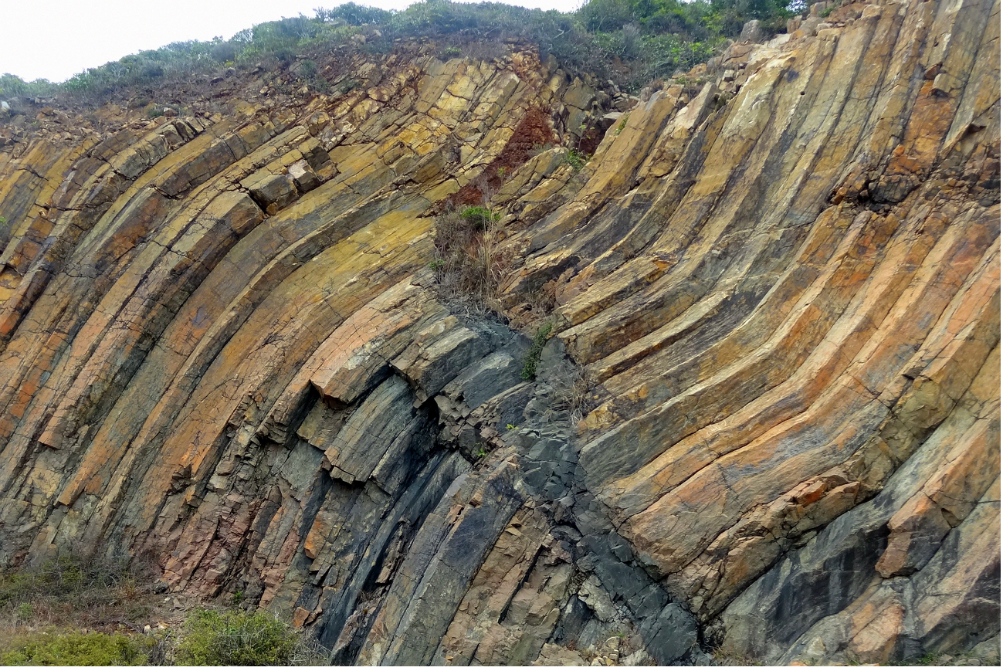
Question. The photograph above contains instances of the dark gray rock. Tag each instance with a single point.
(430, 365)
(365, 551)
(589, 515)
(575, 616)
(370, 431)
(545, 449)
(303, 176)
(443, 560)
(484, 379)
(508, 407)
(670, 635)
(649, 601)
(620, 547)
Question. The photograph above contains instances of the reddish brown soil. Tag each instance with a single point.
(589, 141)
(532, 132)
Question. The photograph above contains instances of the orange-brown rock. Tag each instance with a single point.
(221, 344)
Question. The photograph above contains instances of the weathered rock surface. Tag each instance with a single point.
(219, 344)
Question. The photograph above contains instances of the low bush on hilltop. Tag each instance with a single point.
(629, 41)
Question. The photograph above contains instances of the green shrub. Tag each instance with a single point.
(480, 217)
(353, 14)
(575, 159)
(77, 592)
(528, 370)
(12, 86)
(539, 149)
(307, 69)
(25, 611)
(347, 86)
(78, 648)
(241, 638)
(223, 52)
(60, 576)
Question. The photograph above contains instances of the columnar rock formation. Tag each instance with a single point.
(221, 344)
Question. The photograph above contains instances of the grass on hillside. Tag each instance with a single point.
(629, 41)
(68, 612)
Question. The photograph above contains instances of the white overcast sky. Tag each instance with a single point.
(55, 39)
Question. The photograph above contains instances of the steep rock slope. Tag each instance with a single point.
(221, 345)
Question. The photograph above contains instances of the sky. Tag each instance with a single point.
(55, 39)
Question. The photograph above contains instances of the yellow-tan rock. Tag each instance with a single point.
(221, 344)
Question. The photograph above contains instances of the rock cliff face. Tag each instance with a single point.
(221, 344)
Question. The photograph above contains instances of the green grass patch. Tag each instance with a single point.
(480, 217)
(78, 648)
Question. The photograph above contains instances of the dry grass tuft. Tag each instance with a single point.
(468, 261)
(571, 390)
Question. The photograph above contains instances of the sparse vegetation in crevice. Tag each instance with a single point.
(723, 657)
(480, 217)
(309, 73)
(468, 263)
(575, 159)
(529, 368)
(621, 125)
(570, 391)
(346, 86)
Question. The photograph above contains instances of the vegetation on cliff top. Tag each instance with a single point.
(629, 41)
